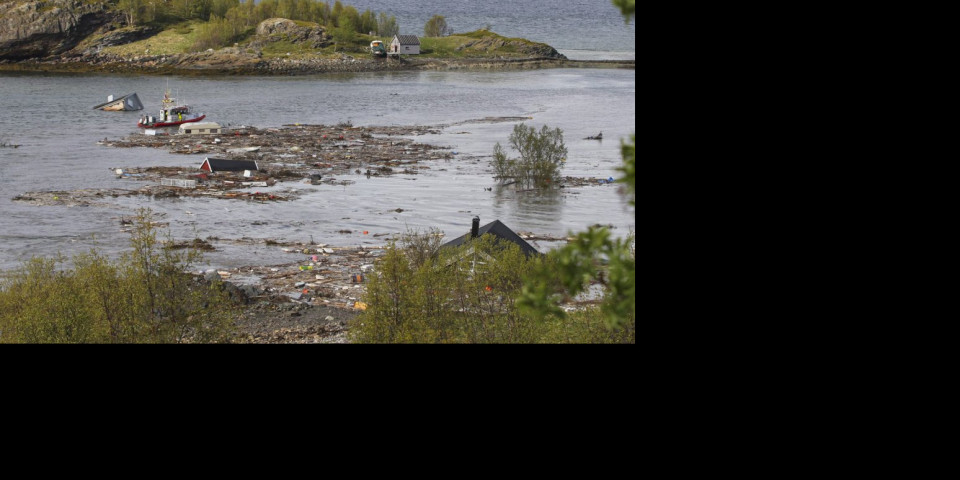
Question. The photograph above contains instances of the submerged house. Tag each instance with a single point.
(404, 44)
(213, 165)
(498, 230)
(125, 103)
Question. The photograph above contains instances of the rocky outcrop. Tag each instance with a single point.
(494, 43)
(282, 29)
(38, 29)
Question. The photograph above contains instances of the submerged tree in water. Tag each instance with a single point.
(541, 157)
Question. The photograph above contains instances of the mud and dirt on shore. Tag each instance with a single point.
(312, 299)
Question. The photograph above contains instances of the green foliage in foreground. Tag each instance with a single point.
(465, 295)
(145, 297)
(593, 257)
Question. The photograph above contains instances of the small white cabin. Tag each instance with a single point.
(201, 128)
(404, 45)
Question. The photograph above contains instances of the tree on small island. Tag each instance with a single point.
(437, 27)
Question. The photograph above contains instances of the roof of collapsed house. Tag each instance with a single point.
(227, 165)
(499, 230)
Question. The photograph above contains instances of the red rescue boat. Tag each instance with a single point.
(171, 115)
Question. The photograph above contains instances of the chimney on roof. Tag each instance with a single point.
(475, 229)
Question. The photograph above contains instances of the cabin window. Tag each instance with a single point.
(189, 131)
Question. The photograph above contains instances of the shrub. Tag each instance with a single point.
(387, 25)
(463, 294)
(541, 156)
(147, 296)
(437, 27)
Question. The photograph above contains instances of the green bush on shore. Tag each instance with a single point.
(466, 294)
(146, 296)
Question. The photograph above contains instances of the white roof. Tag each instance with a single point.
(193, 125)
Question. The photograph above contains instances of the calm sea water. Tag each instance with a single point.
(51, 117)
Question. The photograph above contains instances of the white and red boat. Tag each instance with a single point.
(171, 115)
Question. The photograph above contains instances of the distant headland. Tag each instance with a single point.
(103, 36)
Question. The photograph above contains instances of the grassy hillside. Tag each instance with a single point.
(173, 40)
(479, 44)
(181, 38)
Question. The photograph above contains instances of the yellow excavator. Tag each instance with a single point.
(378, 49)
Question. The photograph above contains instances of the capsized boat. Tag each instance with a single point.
(125, 103)
(171, 115)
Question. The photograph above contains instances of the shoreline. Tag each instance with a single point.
(217, 63)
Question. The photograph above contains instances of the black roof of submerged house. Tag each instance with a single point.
(225, 165)
(408, 39)
(497, 229)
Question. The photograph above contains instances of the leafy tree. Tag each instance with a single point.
(420, 247)
(387, 25)
(346, 32)
(172, 305)
(352, 16)
(337, 11)
(593, 256)
(136, 12)
(541, 156)
(322, 13)
(287, 9)
(437, 27)
(368, 22)
(626, 7)
(266, 9)
(248, 13)
(191, 9)
(221, 7)
(216, 33)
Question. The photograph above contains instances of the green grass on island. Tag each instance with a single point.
(183, 37)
